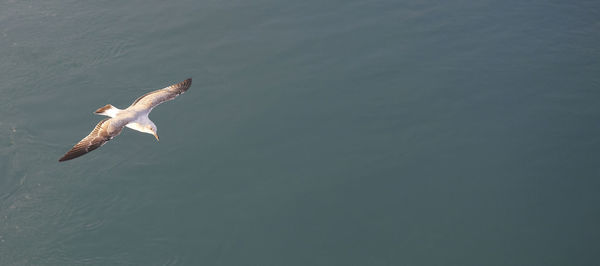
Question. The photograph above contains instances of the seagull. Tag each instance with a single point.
(135, 117)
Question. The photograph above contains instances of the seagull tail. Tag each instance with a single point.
(107, 110)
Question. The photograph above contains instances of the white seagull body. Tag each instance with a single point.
(135, 117)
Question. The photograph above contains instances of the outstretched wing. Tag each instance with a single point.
(154, 98)
(100, 135)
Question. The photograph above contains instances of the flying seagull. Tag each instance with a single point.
(135, 117)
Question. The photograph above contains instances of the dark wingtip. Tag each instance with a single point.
(65, 158)
(187, 82)
(184, 85)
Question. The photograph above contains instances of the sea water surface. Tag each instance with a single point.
(374, 132)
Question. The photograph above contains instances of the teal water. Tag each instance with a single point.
(315, 133)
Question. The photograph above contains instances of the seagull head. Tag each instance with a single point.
(151, 129)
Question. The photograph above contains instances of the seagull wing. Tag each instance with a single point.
(154, 98)
(102, 133)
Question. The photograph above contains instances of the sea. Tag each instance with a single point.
(355, 132)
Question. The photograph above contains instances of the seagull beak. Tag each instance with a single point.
(156, 136)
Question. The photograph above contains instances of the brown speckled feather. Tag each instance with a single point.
(102, 133)
(154, 98)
